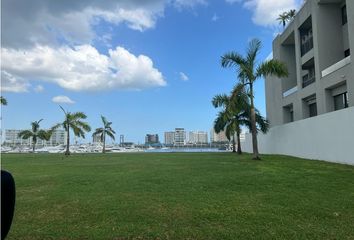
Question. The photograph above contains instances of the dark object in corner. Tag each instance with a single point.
(8, 196)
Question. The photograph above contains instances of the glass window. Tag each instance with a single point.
(340, 101)
(344, 15)
(313, 109)
(347, 53)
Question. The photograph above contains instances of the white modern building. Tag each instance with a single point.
(311, 112)
(197, 137)
(179, 137)
(11, 137)
(169, 138)
(316, 48)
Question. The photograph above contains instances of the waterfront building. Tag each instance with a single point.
(198, 137)
(179, 137)
(169, 138)
(11, 137)
(96, 139)
(218, 137)
(152, 139)
(316, 47)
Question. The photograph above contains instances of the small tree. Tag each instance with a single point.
(35, 133)
(103, 131)
(286, 17)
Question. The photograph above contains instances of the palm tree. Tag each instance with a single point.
(73, 121)
(236, 113)
(3, 100)
(248, 71)
(35, 134)
(103, 131)
(291, 14)
(286, 17)
(283, 18)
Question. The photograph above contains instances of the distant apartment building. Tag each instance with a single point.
(218, 137)
(179, 137)
(152, 139)
(198, 137)
(96, 139)
(11, 137)
(316, 47)
(169, 138)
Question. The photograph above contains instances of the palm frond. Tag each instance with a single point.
(78, 131)
(77, 116)
(232, 59)
(25, 134)
(3, 101)
(104, 120)
(220, 100)
(83, 125)
(272, 67)
(110, 134)
(252, 51)
(44, 135)
(97, 131)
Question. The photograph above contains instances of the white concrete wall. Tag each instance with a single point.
(328, 137)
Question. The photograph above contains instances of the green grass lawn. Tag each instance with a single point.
(180, 196)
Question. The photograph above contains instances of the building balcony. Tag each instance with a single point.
(290, 91)
(338, 65)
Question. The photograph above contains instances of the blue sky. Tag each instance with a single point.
(170, 86)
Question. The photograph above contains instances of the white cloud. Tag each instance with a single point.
(183, 76)
(215, 18)
(10, 83)
(265, 12)
(62, 99)
(82, 68)
(179, 4)
(29, 23)
(39, 88)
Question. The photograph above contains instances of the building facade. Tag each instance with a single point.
(218, 137)
(11, 137)
(316, 47)
(179, 137)
(169, 138)
(198, 137)
(152, 139)
(96, 139)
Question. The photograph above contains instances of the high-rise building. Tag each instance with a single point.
(316, 47)
(169, 138)
(151, 139)
(198, 137)
(180, 137)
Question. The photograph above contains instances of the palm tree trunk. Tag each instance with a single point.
(33, 146)
(233, 144)
(104, 143)
(239, 151)
(254, 128)
(67, 152)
